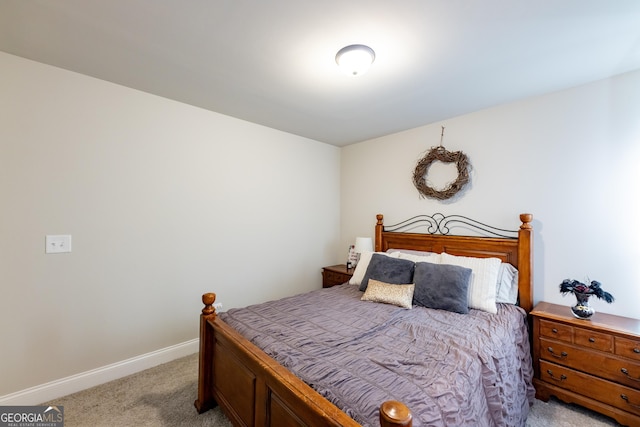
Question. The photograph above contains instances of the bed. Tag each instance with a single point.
(316, 358)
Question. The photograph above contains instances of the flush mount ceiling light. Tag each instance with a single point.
(355, 59)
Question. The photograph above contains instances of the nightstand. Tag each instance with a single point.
(336, 275)
(594, 363)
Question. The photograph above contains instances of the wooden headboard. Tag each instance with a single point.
(512, 246)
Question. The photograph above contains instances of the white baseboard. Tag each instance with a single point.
(64, 386)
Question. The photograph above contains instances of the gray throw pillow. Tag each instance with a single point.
(442, 286)
(388, 270)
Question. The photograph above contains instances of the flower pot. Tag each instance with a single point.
(582, 309)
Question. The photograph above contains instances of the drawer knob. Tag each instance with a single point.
(591, 339)
(636, 350)
(626, 399)
(559, 356)
(554, 330)
(624, 371)
(562, 377)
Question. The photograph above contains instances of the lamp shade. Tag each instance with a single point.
(363, 244)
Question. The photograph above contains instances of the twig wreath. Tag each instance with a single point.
(440, 154)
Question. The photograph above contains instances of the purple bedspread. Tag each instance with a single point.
(450, 369)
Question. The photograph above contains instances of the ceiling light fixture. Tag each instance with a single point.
(355, 59)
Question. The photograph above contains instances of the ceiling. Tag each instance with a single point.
(273, 62)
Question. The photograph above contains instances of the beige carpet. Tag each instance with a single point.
(164, 396)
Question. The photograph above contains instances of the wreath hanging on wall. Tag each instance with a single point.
(440, 154)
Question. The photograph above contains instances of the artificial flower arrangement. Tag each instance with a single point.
(593, 288)
(582, 309)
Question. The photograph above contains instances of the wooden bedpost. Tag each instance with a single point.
(395, 414)
(205, 399)
(379, 229)
(525, 262)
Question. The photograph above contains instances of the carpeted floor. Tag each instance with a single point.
(164, 396)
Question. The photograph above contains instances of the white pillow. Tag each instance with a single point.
(433, 258)
(507, 286)
(484, 277)
(413, 252)
(363, 264)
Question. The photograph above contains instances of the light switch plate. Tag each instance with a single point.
(58, 244)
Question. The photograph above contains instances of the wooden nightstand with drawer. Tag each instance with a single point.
(336, 275)
(594, 363)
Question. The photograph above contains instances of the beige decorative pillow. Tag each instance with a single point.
(400, 295)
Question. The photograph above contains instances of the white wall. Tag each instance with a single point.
(571, 158)
(164, 202)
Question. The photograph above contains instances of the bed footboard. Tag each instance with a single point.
(252, 389)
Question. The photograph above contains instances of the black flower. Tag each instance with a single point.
(593, 288)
